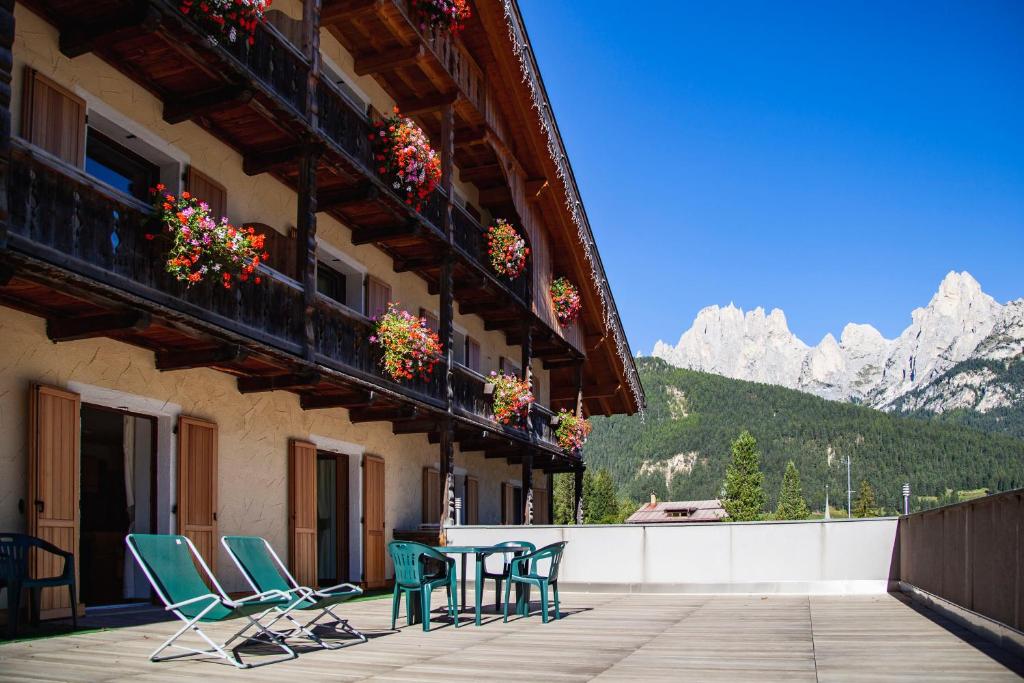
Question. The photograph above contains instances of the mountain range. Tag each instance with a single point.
(961, 353)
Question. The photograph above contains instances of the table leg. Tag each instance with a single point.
(479, 586)
(463, 581)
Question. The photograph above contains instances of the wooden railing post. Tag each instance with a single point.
(528, 489)
(306, 244)
(577, 505)
(311, 48)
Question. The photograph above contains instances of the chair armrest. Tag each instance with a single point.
(68, 570)
(326, 592)
(259, 596)
(208, 596)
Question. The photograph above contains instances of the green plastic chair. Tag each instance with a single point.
(411, 577)
(524, 569)
(14, 576)
(502, 576)
(170, 564)
(265, 572)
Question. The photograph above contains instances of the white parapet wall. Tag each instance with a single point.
(838, 557)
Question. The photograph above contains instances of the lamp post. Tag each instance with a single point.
(906, 498)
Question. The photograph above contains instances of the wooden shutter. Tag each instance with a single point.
(206, 189)
(432, 321)
(471, 506)
(302, 549)
(378, 294)
(53, 484)
(197, 485)
(431, 496)
(53, 118)
(472, 354)
(541, 507)
(373, 521)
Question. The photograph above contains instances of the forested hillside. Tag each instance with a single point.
(682, 449)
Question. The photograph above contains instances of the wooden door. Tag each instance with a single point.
(302, 548)
(53, 482)
(374, 541)
(197, 485)
(471, 506)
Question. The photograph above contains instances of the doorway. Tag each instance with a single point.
(332, 523)
(117, 496)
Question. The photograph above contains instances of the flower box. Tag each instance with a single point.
(572, 431)
(450, 15)
(512, 399)
(405, 158)
(507, 249)
(566, 300)
(410, 348)
(232, 18)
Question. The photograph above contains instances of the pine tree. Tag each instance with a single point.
(791, 497)
(564, 499)
(744, 482)
(865, 505)
(602, 505)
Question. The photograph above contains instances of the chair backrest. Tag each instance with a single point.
(551, 552)
(13, 556)
(168, 563)
(506, 558)
(259, 564)
(407, 556)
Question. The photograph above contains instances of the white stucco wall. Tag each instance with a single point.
(836, 557)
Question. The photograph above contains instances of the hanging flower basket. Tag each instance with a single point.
(233, 18)
(450, 15)
(512, 399)
(572, 432)
(566, 299)
(201, 248)
(507, 249)
(411, 348)
(405, 158)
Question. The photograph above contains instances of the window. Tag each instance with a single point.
(331, 283)
(432, 321)
(378, 294)
(509, 368)
(119, 167)
(459, 346)
(680, 512)
(53, 118)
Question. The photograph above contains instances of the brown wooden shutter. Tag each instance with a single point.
(540, 506)
(206, 189)
(472, 354)
(53, 486)
(374, 541)
(197, 485)
(53, 118)
(431, 496)
(508, 505)
(432, 321)
(302, 550)
(471, 506)
(378, 295)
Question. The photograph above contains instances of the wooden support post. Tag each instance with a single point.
(311, 48)
(579, 389)
(446, 315)
(6, 63)
(577, 505)
(528, 489)
(447, 478)
(305, 265)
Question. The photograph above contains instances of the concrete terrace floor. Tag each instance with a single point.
(602, 636)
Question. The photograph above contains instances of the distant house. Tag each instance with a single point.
(678, 511)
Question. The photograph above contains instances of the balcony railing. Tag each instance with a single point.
(275, 62)
(540, 422)
(345, 125)
(343, 342)
(471, 238)
(69, 219)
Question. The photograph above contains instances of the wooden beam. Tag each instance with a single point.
(476, 174)
(70, 329)
(261, 162)
(134, 19)
(6, 272)
(478, 307)
(305, 379)
(184, 108)
(379, 62)
(335, 11)
(346, 196)
(427, 262)
(186, 360)
(534, 188)
(590, 391)
(357, 399)
(497, 195)
(493, 323)
(376, 415)
(560, 363)
(430, 103)
(388, 233)
(467, 137)
(414, 426)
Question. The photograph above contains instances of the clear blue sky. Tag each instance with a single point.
(833, 161)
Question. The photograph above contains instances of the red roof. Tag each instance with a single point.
(679, 511)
